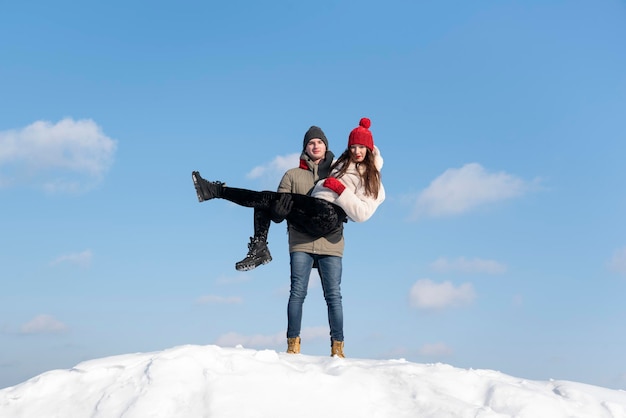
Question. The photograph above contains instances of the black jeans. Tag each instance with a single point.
(316, 217)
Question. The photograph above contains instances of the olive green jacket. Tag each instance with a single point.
(301, 180)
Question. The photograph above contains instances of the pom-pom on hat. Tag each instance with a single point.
(314, 132)
(361, 135)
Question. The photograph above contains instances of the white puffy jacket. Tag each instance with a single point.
(353, 200)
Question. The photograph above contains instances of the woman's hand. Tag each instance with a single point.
(334, 185)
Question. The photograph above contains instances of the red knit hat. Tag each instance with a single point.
(361, 135)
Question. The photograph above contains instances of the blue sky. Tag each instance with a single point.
(502, 242)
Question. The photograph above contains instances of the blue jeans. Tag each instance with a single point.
(329, 268)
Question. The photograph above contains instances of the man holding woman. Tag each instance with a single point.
(306, 251)
(353, 190)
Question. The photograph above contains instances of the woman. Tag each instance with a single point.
(353, 191)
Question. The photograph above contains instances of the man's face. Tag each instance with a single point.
(316, 149)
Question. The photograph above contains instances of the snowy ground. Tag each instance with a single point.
(210, 381)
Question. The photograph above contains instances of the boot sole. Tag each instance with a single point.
(196, 185)
(252, 266)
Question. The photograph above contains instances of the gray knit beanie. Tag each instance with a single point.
(314, 132)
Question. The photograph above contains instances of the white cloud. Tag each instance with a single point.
(82, 259)
(233, 339)
(213, 299)
(271, 173)
(426, 294)
(459, 190)
(237, 278)
(43, 324)
(435, 350)
(315, 333)
(71, 155)
(463, 265)
(618, 261)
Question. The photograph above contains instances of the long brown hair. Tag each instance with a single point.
(370, 176)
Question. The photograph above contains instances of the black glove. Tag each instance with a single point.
(281, 207)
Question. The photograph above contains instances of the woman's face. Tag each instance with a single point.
(358, 153)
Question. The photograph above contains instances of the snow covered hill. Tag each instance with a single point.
(211, 381)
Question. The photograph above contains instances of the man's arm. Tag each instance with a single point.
(281, 207)
(285, 184)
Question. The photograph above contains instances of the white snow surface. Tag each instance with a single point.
(211, 381)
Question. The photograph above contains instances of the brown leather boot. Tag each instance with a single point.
(336, 349)
(293, 345)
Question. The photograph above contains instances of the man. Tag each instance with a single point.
(306, 252)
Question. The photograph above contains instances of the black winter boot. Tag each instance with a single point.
(258, 254)
(206, 190)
